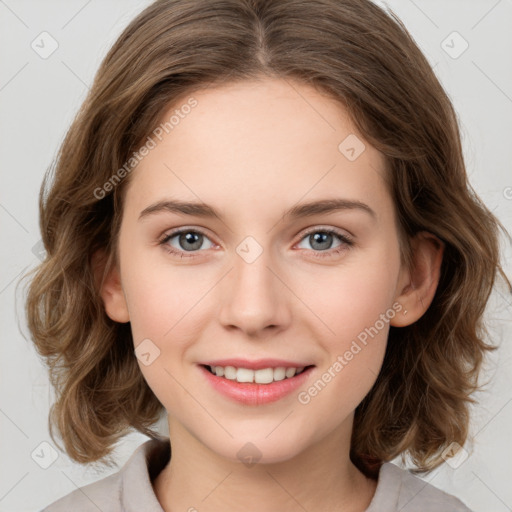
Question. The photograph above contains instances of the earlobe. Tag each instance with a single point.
(417, 293)
(108, 282)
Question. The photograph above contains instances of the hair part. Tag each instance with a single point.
(362, 57)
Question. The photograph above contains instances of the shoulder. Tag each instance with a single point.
(130, 489)
(104, 495)
(398, 489)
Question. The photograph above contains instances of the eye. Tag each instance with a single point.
(321, 241)
(187, 240)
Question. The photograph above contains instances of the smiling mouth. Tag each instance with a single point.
(262, 376)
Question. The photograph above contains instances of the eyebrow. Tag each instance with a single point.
(298, 211)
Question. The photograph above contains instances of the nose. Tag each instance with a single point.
(253, 297)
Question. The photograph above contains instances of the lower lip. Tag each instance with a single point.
(250, 393)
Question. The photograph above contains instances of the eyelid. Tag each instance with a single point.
(183, 229)
(326, 228)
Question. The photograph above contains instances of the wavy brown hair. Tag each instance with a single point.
(364, 58)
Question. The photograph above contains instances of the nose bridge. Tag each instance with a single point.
(252, 297)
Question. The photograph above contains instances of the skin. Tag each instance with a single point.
(253, 150)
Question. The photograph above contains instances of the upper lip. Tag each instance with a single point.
(256, 364)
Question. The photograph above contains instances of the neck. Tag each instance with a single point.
(319, 478)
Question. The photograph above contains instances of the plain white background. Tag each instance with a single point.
(39, 98)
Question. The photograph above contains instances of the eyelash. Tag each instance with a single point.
(347, 242)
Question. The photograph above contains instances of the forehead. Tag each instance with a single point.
(262, 143)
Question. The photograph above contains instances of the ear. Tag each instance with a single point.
(417, 285)
(108, 281)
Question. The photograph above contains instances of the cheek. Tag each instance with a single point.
(355, 306)
(359, 317)
(166, 306)
(354, 296)
(163, 305)
(162, 299)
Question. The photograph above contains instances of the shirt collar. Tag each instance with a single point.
(142, 467)
(152, 456)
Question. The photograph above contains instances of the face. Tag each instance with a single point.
(264, 278)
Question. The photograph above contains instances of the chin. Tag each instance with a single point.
(258, 449)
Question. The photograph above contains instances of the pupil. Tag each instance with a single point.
(191, 238)
(318, 237)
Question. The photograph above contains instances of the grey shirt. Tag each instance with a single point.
(131, 490)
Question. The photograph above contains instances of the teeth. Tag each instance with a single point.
(245, 375)
(263, 376)
(290, 372)
(230, 372)
(280, 373)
